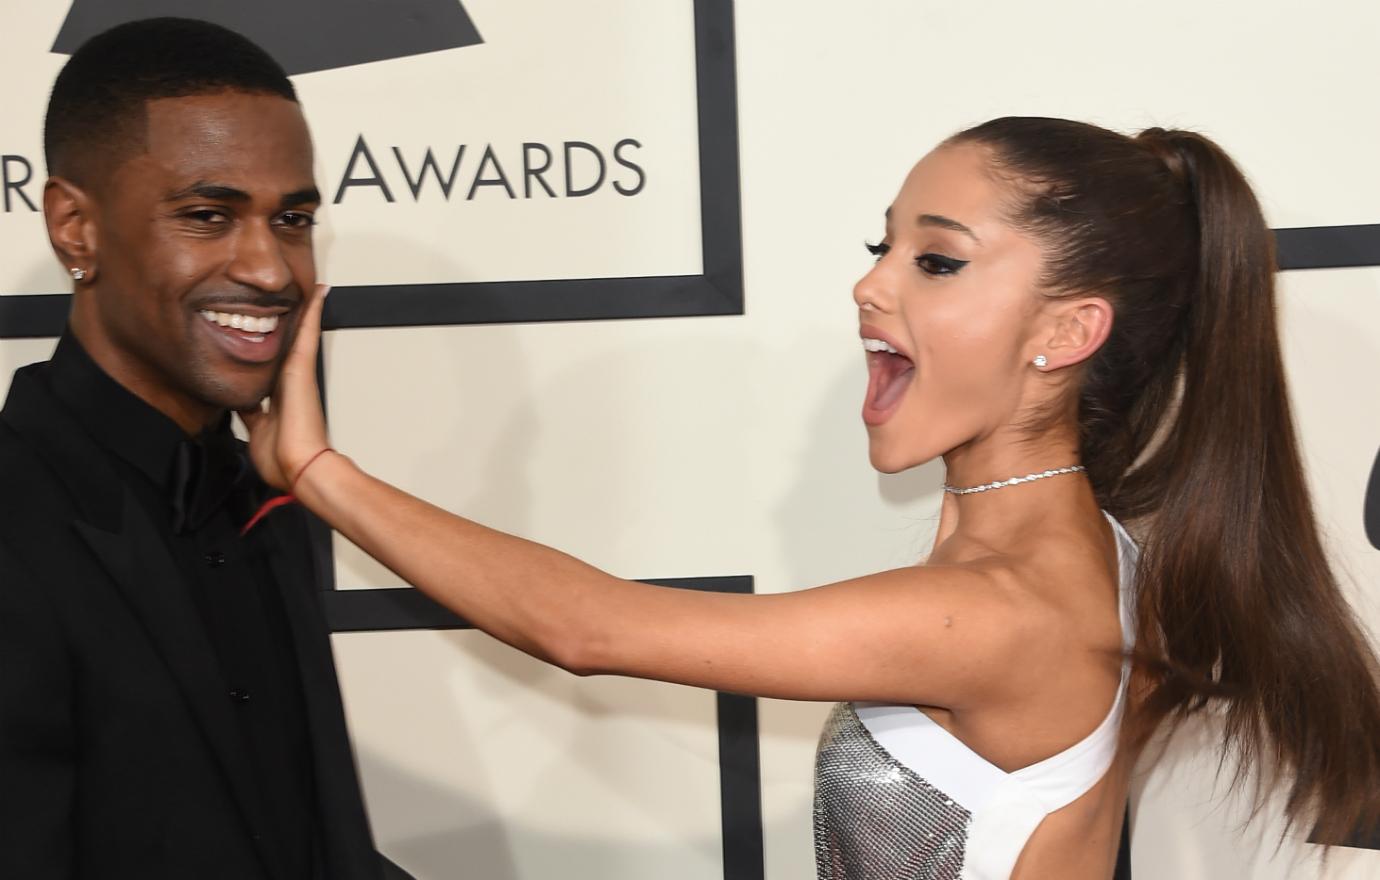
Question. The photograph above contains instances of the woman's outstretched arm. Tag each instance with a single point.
(946, 636)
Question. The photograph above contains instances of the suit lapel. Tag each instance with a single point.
(129, 548)
(347, 843)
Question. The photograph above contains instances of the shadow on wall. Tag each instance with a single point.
(823, 537)
(441, 829)
(477, 843)
(459, 397)
(473, 842)
(828, 525)
(664, 490)
(466, 826)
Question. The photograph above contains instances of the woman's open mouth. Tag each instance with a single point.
(889, 374)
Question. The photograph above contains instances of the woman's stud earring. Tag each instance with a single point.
(78, 273)
(1040, 361)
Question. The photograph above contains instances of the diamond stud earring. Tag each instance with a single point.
(77, 273)
(1040, 361)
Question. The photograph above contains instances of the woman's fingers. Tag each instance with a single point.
(291, 427)
(296, 405)
(252, 417)
(302, 359)
(263, 444)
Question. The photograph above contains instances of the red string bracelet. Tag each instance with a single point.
(278, 501)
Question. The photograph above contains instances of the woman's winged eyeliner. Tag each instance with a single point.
(929, 263)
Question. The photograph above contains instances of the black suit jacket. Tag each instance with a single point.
(119, 755)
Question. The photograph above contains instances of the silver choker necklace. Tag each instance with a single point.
(1014, 481)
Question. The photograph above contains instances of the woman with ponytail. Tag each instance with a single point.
(1082, 325)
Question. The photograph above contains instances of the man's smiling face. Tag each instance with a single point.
(205, 252)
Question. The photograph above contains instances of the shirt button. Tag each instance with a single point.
(239, 695)
(215, 559)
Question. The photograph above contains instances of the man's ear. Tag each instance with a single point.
(69, 213)
(1077, 328)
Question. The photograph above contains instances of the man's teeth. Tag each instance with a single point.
(247, 323)
(879, 345)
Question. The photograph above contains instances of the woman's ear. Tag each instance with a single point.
(69, 213)
(1077, 328)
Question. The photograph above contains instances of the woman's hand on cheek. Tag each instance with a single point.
(290, 430)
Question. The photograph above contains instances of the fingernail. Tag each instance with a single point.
(324, 288)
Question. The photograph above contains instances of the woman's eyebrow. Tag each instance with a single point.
(946, 223)
(942, 222)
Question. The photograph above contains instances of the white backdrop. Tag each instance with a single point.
(732, 445)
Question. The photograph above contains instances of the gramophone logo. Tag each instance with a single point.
(303, 35)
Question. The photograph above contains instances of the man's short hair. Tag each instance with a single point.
(97, 113)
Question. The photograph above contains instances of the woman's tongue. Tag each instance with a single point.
(889, 375)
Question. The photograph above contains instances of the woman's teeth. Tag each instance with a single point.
(878, 345)
(247, 323)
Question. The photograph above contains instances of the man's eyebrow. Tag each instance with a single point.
(217, 192)
(214, 191)
(308, 196)
(946, 223)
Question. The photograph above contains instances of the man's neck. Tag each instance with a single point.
(191, 415)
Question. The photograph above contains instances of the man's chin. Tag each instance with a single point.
(227, 383)
(247, 398)
(238, 396)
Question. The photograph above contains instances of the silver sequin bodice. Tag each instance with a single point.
(876, 819)
(899, 797)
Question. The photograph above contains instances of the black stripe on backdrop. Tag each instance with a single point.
(740, 786)
(41, 315)
(33, 315)
(1328, 247)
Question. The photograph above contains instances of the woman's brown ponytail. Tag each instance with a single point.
(1186, 425)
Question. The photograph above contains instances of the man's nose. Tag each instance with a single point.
(259, 261)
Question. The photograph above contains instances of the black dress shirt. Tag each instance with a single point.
(204, 490)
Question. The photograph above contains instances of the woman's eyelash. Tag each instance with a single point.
(930, 264)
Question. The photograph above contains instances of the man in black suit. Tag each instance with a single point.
(168, 699)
